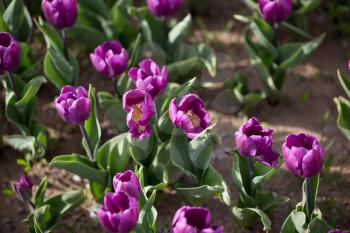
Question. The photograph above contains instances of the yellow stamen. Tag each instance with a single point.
(137, 114)
(195, 120)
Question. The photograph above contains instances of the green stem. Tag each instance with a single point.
(251, 168)
(32, 205)
(88, 142)
(65, 43)
(13, 85)
(309, 206)
(277, 30)
(116, 90)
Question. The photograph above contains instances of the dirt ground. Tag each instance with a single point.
(307, 106)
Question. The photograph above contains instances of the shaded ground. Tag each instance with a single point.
(306, 106)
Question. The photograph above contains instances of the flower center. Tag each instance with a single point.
(195, 120)
(141, 128)
(137, 113)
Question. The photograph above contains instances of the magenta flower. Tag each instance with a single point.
(189, 115)
(119, 213)
(303, 155)
(338, 231)
(276, 11)
(73, 105)
(127, 182)
(23, 188)
(194, 220)
(110, 59)
(252, 140)
(140, 108)
(60, 13)
(9, 52)
(164, 8)
(149, 77)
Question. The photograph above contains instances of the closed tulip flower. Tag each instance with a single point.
(252, 140)
(276, 11)
(189, 115)
(150, 77)
(119, 213)
(194, 220)
(23, 188)
(110, 59)
(163, 8)
(139, 107)
(73, 104)
(127, 182)
(9, 53)
(303, 155)
(60, 13)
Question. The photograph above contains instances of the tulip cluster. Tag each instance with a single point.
(120, 210)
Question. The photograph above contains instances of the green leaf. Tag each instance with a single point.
(180, 31)
(295, 30)
(248, 216)
(262, 173)
(345, 82)
(142, 150)
(314, 182)
(52, 37)
(21, 142)
(299, 220)
(308, 5)
(43, 218)
(318, 226)
(288, 225)
(87, 34)
(267, 201)
(98, 6)
(343, 121)
(40, 193)
(18, 20)
(146, 213)
(208, 57)
(81, 166)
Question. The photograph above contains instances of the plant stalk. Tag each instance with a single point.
(88, 142)
(13, 84)
(251, 168)
(31, 205)
(65, 43)
(309, 208)
(277, 32)
(116, 90)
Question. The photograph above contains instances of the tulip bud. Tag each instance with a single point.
(139, 107)
(162, 8)
(73, 104)
(119, 213)
(110, 59)
(127, 182)
(194, 220)
(149, 77)
(189, 115)
(303, 155)
(252, 140)
(23, 188)
(60, 13)
(9, 53)
(276, 11)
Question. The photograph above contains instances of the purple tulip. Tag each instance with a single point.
(127, 182)
(60, 13)
(338, 231)
(119, 213)
(73, 105)
(194, 220)
(276, 11)
(164, 8)
(252, 140)
(189, 115)
(303, 155)
(110, 59)
(150, 77)
(140, 108)
(23, 188)
(9, 52)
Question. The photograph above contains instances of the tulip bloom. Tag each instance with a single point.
(276, 11)
(303, 155)
(149, 77)
(163, 8)
(60, 13)
(119, 213)
(127, 182)
(189, 115)
(140, 108)
(252, 140)
(73, 104)
(9, 52)
(194, 220)
(110, 59)
(23, 188)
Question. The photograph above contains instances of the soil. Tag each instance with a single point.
(307, 106)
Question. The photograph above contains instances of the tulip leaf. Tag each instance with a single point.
(343, 121)
(248, 216)
(52, 37)
(146, 217)
(308, 6)
(92, 124)
(184, 68)
(288, 225)
(82, 166)
(295, 30)
(267, 201)
(200, 193)
(318, 226)
(178, 33)
(208, 57)
(262, 173)
(98, 6)
(40, 193)
(142, 150)
(345, 82)
(314, 182)
(87, 34)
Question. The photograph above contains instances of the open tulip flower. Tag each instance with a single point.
(189, 115)
(150, 77)
(303, 156)
(127, 182)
